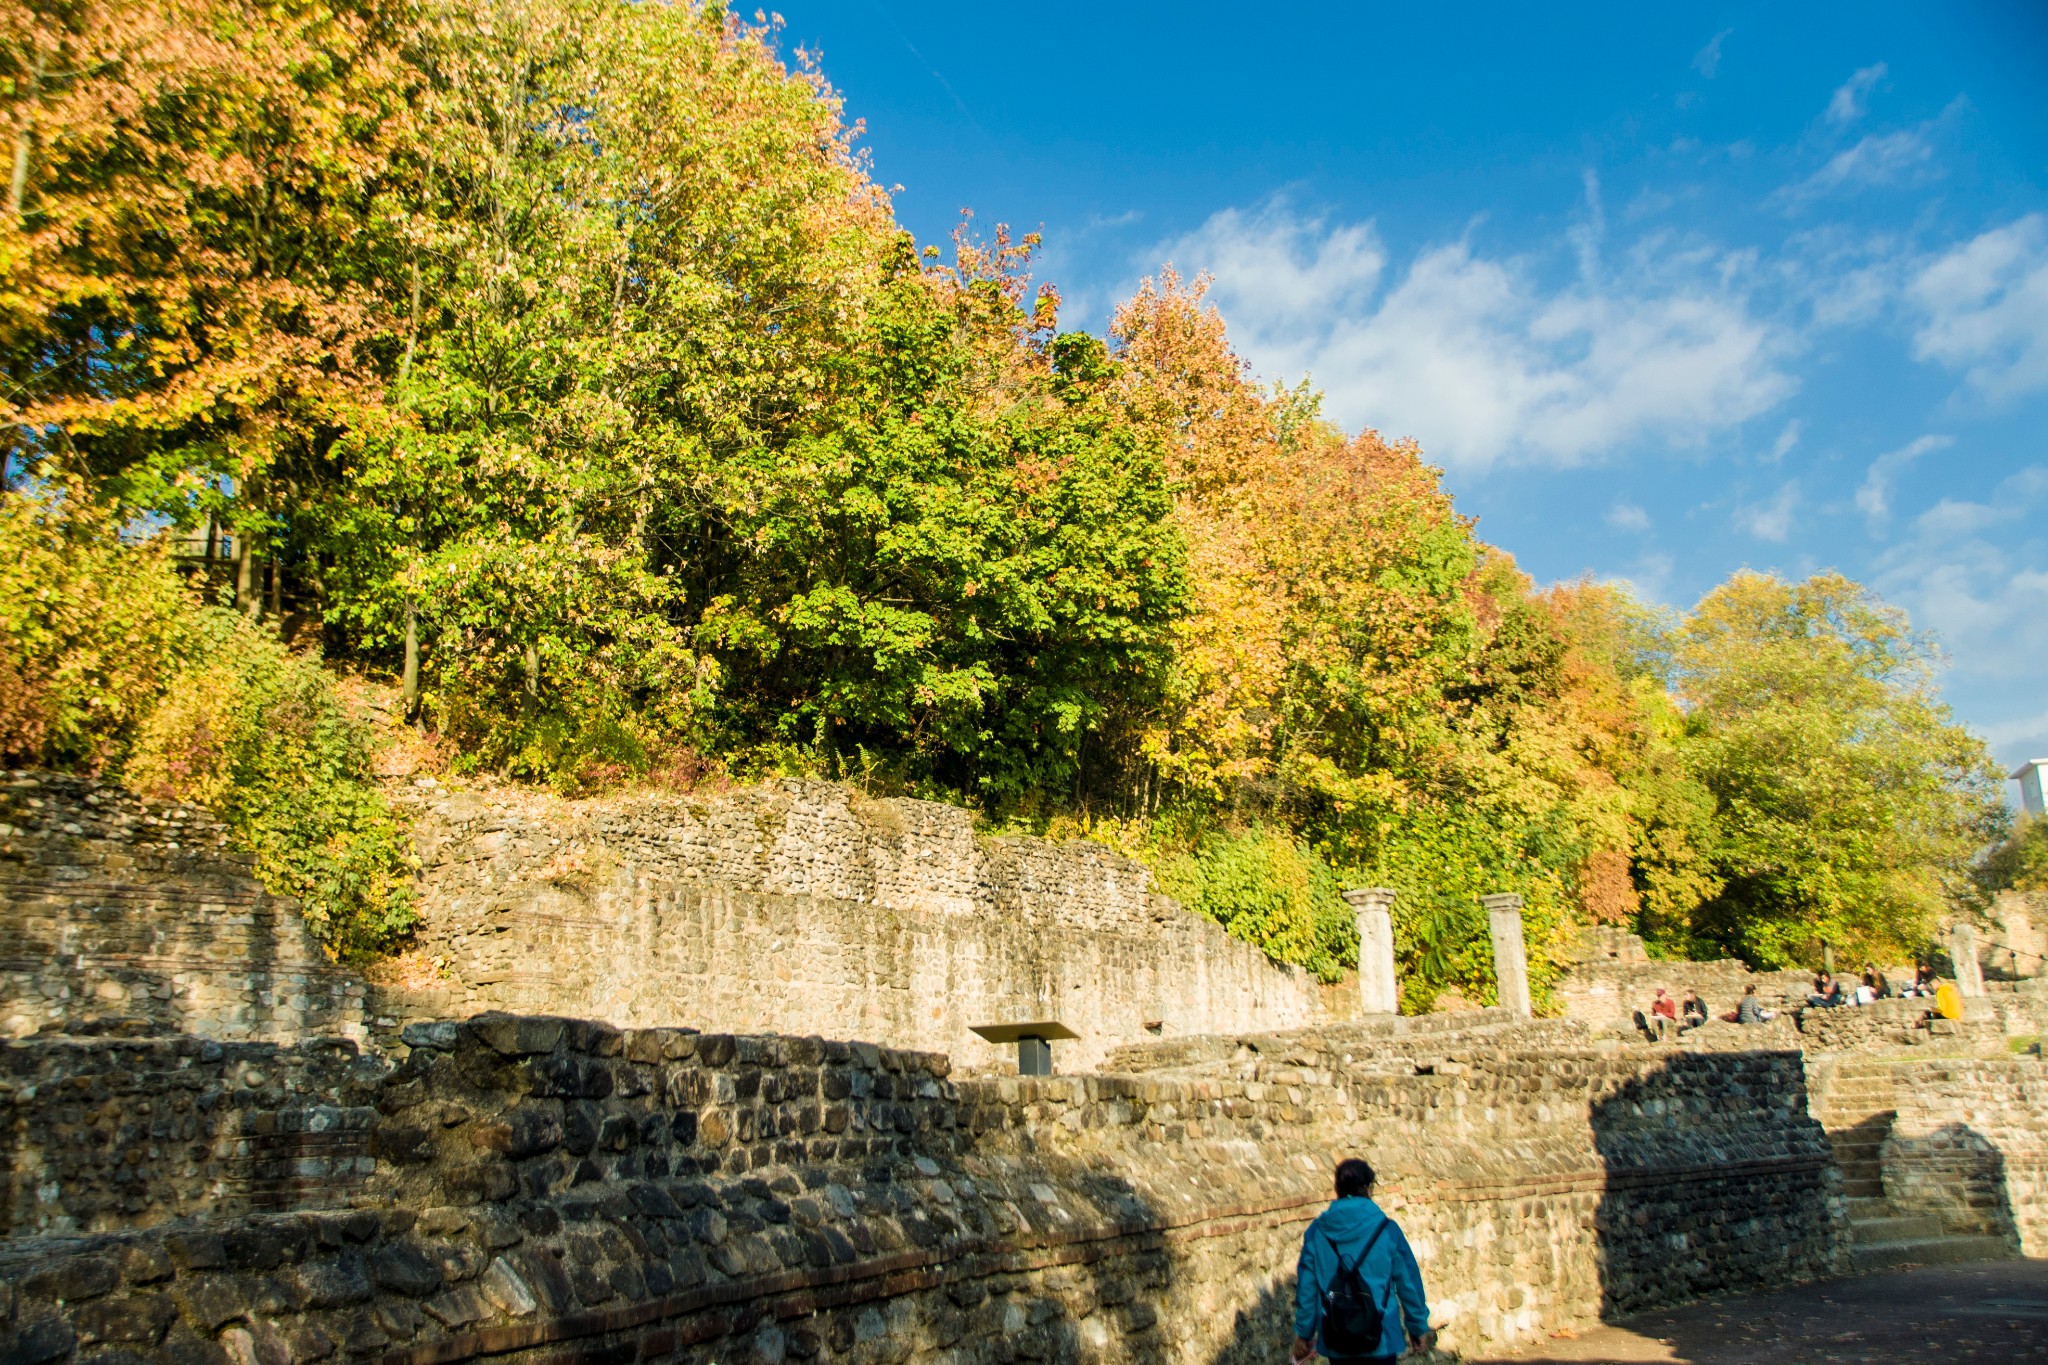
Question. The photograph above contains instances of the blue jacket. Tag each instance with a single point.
(1390, 1271)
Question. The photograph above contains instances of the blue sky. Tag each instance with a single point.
(1667, 290)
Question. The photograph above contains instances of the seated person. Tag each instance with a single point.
(1827, 992)
(1663, 1012)
(1750, 1010)
(1866, 989)
(1692, 1012)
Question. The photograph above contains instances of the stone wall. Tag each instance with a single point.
(1615, 977)
(546, 1189)
(802, 908)
(118, 914)
(1969, 1143)
(2016, 940)
(102, 1134)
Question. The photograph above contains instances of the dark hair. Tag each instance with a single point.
(1354, 1177)
(1750, 989)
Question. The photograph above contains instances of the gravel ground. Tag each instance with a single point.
(1992, 1312)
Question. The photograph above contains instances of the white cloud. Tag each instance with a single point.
(1842, 274)
(1984, 308)
(1902, 158)
(1708, 59)
(1474, 357)
(1985, 595)
(1770, 520)
(1853, 98)
(2023, 735)
(1275, 264)
(1874, 498)
(1626, 516)
(1651, 577)
(1787, 438)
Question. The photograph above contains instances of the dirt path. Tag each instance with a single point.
(1989, 1313)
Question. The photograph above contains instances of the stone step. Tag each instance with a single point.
(1897, 1227)
(1863, 1209)
(1859, 1145)
(1859, 1154)
(1863, 1187)
(1928, 1251)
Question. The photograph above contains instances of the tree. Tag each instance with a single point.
(1849, 805)
(192, 233)
(2019, 862)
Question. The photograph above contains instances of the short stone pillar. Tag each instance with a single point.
(1510, 957)
(1379, 991)
(1962, 950)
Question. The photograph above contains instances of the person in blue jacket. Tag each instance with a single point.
(1345, 1229)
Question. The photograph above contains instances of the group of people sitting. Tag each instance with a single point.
(1828, 993)
(1668, 1017)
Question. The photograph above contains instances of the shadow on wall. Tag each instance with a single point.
(1262, 1332)
(1956, 1174)
(1110, 1298)
(1711, 1163)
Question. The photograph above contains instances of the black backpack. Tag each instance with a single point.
(1352, 1317)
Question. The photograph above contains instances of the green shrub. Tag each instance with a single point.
(1439, 864)
(111, 665)
(1267, 889)
(91, 631)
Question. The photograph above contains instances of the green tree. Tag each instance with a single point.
(1849, 804)
(2019, 862)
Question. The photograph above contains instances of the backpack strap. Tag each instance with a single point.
(1358, 1264)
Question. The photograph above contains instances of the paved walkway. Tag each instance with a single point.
(1993, 1312)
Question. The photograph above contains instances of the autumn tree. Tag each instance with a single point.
(194, 225)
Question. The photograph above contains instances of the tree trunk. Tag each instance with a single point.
(412, 333)
(411, 685)
(24, 137)
(532, 676)
(277, 588)
(246, 599)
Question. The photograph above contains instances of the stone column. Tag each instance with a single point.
(1510, 958)
(1962, 950)
(1379, 991)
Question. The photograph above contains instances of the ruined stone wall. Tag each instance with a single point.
(1616, 977)
(102, 1134)
(801, 908)
(2016, 940)
(118, 914)
(545, 1189)
(1970, 1144)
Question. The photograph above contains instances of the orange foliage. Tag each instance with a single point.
(183, 216)
(1315, 604)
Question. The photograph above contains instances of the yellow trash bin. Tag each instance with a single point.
(1948, 1001)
